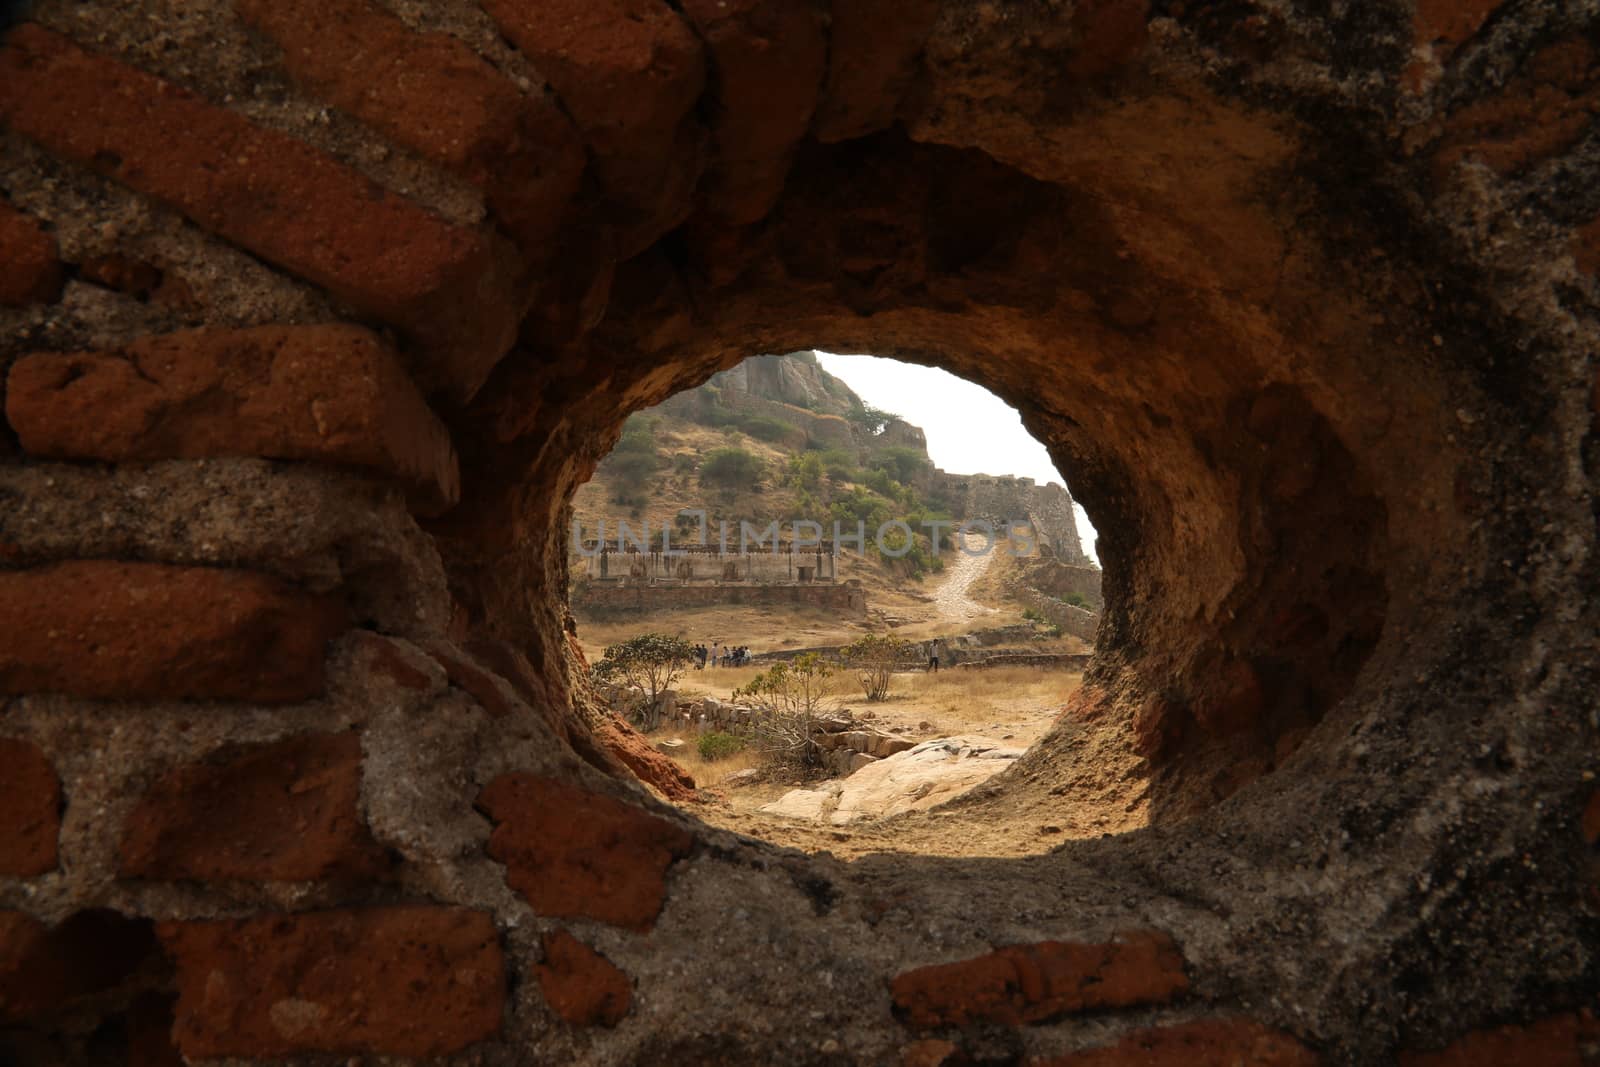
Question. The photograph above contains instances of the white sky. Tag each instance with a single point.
(970, 430)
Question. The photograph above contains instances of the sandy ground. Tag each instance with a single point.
(1038, 807)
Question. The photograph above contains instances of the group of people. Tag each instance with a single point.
(720, 655)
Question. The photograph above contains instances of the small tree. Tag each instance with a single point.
(874, 659)
(871, 419)
(652, 662)
(791, 698)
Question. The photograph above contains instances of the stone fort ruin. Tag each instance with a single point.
(780, 573)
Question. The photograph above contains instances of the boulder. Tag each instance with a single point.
(889, 745)
(810, 805)
(857, 740)
(672, 746)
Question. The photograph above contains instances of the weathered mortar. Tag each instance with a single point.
(1298, 295)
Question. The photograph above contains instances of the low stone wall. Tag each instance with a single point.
(691, 562)
(1073, 620)
(1064, 661)
(1054, 578)
(599, 599)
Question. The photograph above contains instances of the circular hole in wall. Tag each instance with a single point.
(761, 519)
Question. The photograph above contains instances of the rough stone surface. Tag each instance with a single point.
(30, 810)
(579, 854)
(99, 628)
(32, 272)
(652, 766)
(582, 986)
(330, 393)
(872, 58)
(289, 810)
(404, 981)
(318, 529)
(1035, 983)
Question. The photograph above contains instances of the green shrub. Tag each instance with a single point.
(731, 468)
(840, 465)
(902, 463)
(717, 745)
(1076, 600)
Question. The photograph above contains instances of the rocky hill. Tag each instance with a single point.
(790, 404)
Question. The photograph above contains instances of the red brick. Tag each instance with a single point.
(289, 810)
(30, 272)
(1450, 22)
(1439, 28)
(1035, 983)
(1586, 248)
(148, 631)
(404, 666)
(404, 981)
(433, 94)
(455, 290)
(1207, 1043)
(930, 1052)
(627, 71)
(44, 969)
(580, 985)
(30, 810)
(873, 48)
(1570, 1040)
(122, 273)
(581, 855)
(494, 693)
(768, 59)
(332, 393)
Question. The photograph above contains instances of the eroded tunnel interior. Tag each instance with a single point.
(319, 314)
